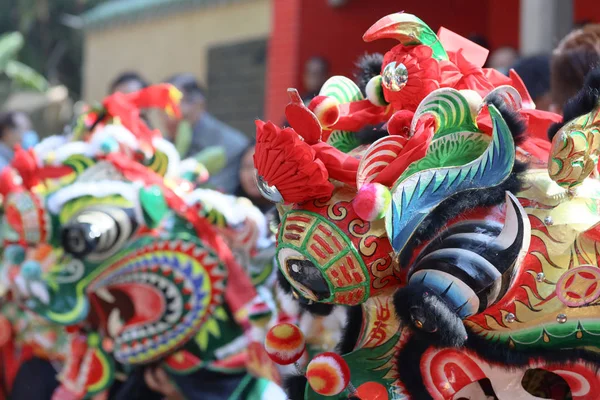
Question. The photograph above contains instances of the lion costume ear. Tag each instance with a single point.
(582, 103)
(573, 156)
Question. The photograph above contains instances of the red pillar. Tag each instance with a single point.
(503, 18)
(304, 28)
(283, 53)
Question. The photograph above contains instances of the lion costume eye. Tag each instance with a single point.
(97, 233)
(303, 275)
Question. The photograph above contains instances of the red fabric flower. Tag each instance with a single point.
(538, 122)
(355, 115)
(423, 75)
(537, 148)
(127, 107)
(340, 166)
(460, 73)
(290, 164)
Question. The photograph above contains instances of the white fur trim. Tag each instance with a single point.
(48, 145)
(57, 200)
(188, 165)
(117, 132)
(72, 148)
(273, 392)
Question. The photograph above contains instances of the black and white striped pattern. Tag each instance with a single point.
(98, 233)
(471, 264)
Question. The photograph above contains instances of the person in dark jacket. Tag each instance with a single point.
(207, 131)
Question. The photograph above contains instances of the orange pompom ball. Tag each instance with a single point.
(328, 374)
(285, 343)
(327, 110)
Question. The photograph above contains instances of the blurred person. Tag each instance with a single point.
(535, 72)
(479, 39)
(15, 128)
(316, 72)
(206, 131)
(127, 82)
(581, 24)
(248, 186)
(576, 55)
(503, 58)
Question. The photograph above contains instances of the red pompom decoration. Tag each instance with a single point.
(25, 162)
(10, 181)
(372, 201)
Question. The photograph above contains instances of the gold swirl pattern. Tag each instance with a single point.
(559, 246)
(337, 211)
(368, 243)
(382, 272)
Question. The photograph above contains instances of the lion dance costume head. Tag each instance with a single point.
(108, 236)
(426, 200)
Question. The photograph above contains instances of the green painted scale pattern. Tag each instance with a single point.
(457, 139)
(426, 189)
(344, 91)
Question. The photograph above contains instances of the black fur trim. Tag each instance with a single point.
(295, 386)
(283, 283)
(582, 103)
(513, 119)
(368, 66)
(459, 203)
(370, 134)
(321, 309)
(408, 364)
(440, 325)
(351, 330)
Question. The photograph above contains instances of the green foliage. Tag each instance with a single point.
(10, 45)
(50, 48)
(25, 76)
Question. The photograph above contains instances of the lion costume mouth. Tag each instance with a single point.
(133, 308)
(153, 299)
